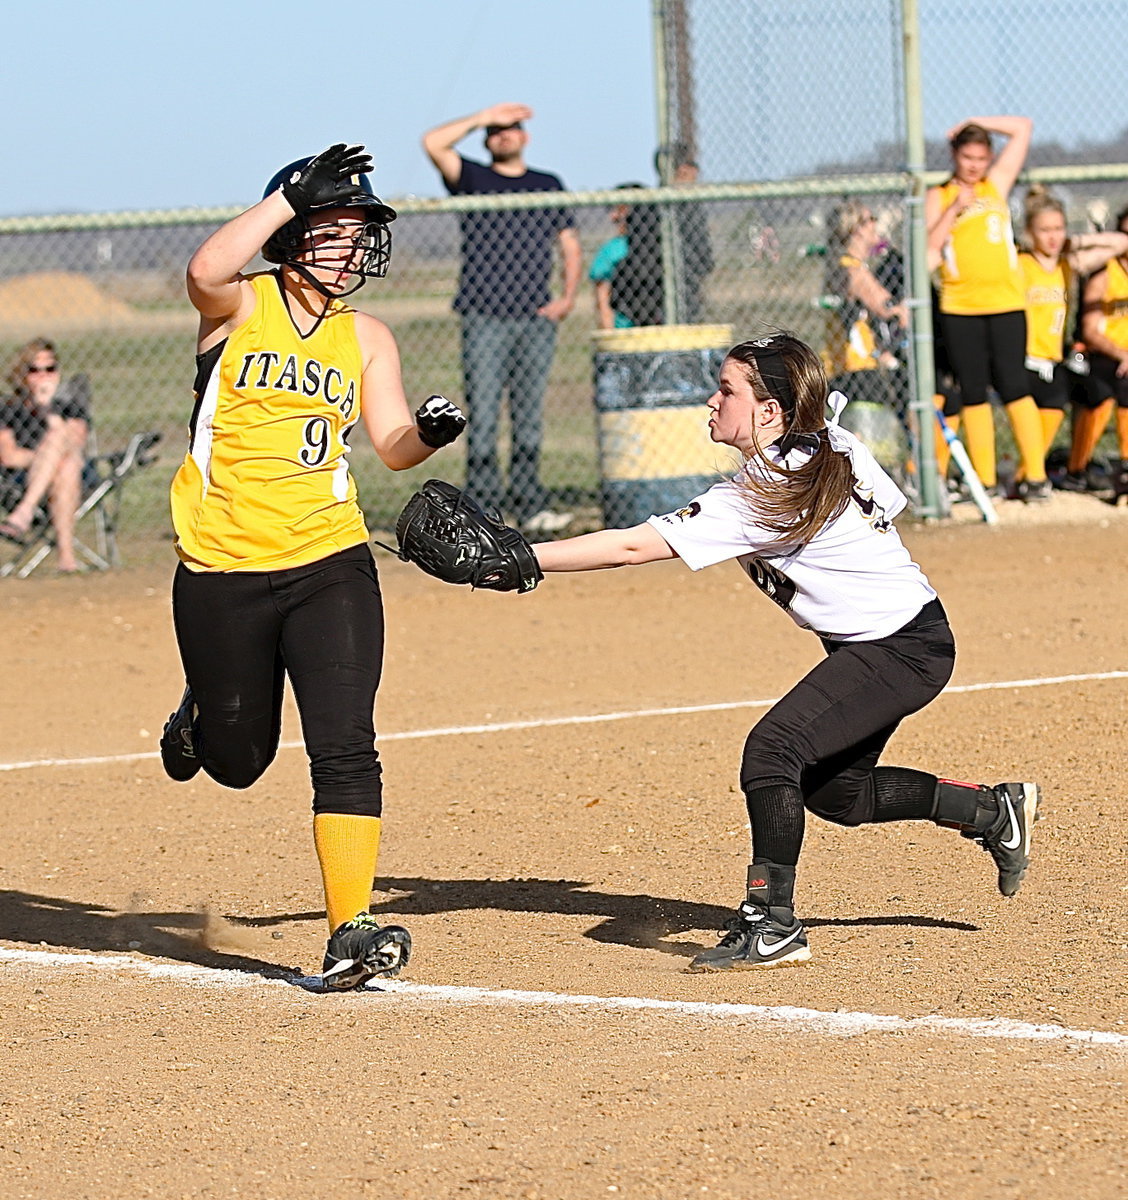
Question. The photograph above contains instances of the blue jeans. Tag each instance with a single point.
(500, 353)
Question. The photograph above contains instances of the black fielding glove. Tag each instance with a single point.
(319, 181)
(439, 421)
(450, 536)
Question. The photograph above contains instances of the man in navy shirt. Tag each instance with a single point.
(508, 314)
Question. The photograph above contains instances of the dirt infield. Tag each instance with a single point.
(943, 1042)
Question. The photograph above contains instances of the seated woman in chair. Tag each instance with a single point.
(43, 429)
(856, 342)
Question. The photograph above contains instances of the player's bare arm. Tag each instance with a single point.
(387, 417)
(439, 143)
(1010, 160)
(605, 548)
(217, 287)
(1092, 322)
(1088, 252)
(939, 220)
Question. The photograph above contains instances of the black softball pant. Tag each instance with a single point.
(1104, 382)
(818, 746)
(241, 633)
(988, 349)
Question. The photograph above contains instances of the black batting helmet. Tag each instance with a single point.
(285, 244)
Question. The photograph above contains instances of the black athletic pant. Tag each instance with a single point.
(241, 633)
(988, 350)
(819, 745)
(1104, 381)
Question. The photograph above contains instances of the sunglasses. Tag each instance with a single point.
(34, 370)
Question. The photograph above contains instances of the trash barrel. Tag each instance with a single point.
(651, 384)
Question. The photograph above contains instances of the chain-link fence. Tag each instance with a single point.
(804, 98)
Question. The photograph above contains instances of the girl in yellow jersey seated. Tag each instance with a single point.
(1104, 326)
(861, 330)
(275, 576)
(1049, 266)
(866, 306)
(981, 298)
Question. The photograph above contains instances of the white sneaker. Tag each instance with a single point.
(546, 522)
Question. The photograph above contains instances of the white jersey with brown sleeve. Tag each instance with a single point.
(854, 581)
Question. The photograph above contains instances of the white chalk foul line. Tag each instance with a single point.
(550, 722)
(815, 1020)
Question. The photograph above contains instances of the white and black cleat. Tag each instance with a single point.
(362, 949)
(756, 938)
(1008, 839)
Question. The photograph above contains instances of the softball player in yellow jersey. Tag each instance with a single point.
(1049, 267)
(981, 298)
(853, 344)
(275, 576)
(1104, 327)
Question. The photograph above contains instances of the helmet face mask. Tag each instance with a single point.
(360, 220)
(332, 252)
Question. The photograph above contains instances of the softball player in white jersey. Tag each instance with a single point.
(809, 516)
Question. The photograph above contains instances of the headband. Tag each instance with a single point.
(773, 371)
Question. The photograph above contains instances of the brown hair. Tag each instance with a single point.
(1039, 199)
(794, 503)
(23, 358)
(971, 135)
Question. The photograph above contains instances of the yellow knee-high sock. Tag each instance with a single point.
(943, 454)
(1091, 423)
(347, 846)
(1027, 427)
(1051, 422)
(979, 430)
(1122, 432)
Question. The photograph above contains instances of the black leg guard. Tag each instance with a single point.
(772, 886)
(969, 807)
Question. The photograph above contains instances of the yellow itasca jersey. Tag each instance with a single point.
(851, 345)
(979, 269)
(1114, 306)
(1047, 297)
(265, 484)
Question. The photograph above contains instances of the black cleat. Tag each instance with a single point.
(1034, 492)
(756, 938)
(179, 741)
(1008, 839)
(1119, 482)
(1073, 481)
(361, 949)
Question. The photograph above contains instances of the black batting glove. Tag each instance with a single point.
(319, 182)
(439, 421)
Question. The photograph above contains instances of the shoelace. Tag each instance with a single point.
(739, 926)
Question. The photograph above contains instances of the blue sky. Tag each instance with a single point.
(126, 104)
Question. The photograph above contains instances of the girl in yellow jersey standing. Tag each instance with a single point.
(981, 298)
(1104, 326)
(1049, 267)
(275, 576)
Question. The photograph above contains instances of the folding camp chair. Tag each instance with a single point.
(102, 480)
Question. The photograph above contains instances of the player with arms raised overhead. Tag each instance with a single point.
(809, 516)
(275, 575)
